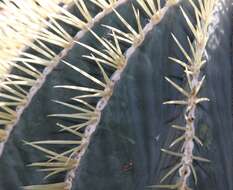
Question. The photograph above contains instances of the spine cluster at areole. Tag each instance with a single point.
(203, 10)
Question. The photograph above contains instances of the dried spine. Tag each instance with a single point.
(62, 39)
(195, 82)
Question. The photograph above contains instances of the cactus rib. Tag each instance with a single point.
(195, 80)
(29, 61)
(113, 57)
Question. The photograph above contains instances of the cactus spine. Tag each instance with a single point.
(17, 91)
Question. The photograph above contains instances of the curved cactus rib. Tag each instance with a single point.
(112, 56)
(16, 27)
(14, 97)
(17, 33)
(89, 116)
(195, 82)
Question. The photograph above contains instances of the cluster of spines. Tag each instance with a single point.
(84, 112)
(111, 56)
(15, 35)
(203, 13)
(18, 20)
(35, 25)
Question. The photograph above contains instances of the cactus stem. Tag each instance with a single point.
(192, 71)
(113, 57)
(136, 42)
(50, 65)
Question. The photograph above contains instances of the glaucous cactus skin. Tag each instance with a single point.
(107, 93)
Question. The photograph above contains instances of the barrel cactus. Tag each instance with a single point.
(116, 95)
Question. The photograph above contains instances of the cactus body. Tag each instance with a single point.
(113, 78)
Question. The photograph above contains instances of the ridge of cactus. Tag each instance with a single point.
(116, 94)
(114, 57)
(13, 45)
(15, 98)
(193, 65)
